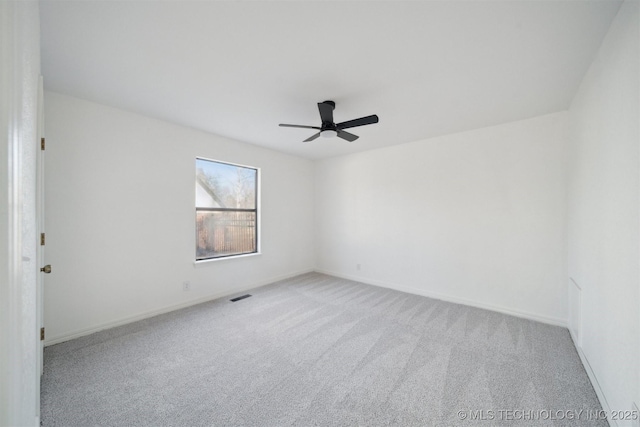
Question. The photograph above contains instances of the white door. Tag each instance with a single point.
(41, 232)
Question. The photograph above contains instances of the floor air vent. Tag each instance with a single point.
(239, 298)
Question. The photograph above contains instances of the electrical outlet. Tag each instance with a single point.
(186, 286)
(358, 267)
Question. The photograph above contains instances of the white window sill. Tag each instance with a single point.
(210, 260)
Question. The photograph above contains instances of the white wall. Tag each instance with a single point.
(603, 211)
(19, 340)
(120, 216)
(475, 217)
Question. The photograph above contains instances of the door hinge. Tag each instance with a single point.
(42, 144)
(41, 334)
(42, 239)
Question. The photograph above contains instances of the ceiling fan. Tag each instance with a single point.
(330, 129)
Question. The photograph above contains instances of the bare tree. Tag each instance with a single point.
(243, 188)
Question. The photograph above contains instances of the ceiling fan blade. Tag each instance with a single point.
(312, 137)
(326, 111)
(358, 122)
(346, 135)
(298, 126)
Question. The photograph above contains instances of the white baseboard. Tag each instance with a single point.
(130, 319)
(456, 300)
(593, 379)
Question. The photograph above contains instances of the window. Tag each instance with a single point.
(226, 209)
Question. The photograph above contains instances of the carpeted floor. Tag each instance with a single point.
(317, 350)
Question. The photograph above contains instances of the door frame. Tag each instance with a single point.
(40, 225)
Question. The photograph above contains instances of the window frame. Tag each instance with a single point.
(257, 211)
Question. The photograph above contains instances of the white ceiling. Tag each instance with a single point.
(237, 69)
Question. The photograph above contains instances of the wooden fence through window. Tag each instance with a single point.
(222, 233)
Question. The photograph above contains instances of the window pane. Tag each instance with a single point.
(225, 233)
(221, 185)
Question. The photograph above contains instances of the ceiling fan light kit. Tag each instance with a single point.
(329, 128)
